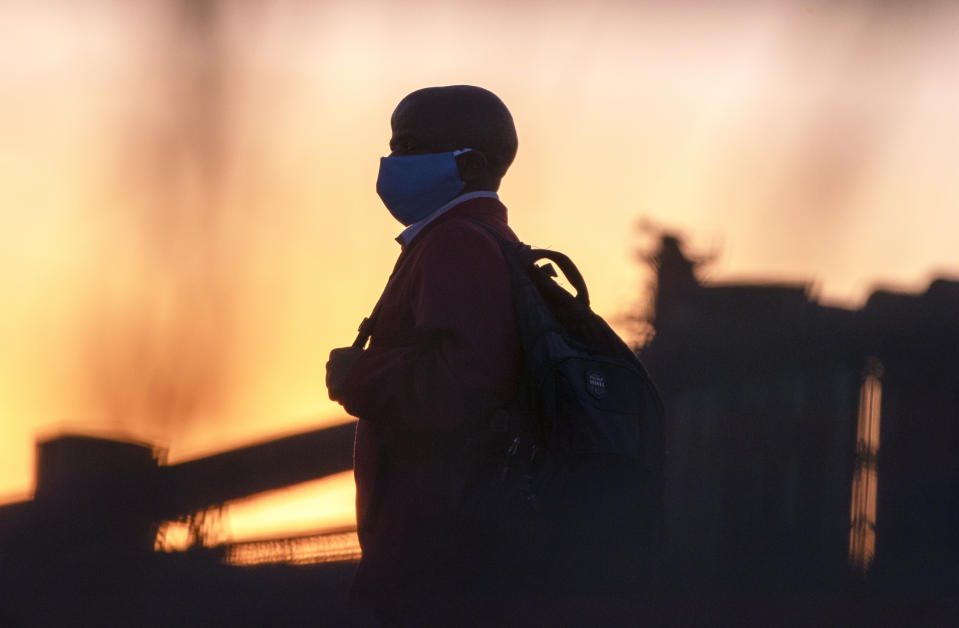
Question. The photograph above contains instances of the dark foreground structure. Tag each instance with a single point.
(812, 450)
(812, 479)
(81, 553)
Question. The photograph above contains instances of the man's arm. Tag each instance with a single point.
(460, 362)
(338, 367)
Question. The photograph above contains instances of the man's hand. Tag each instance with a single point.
(338, 367)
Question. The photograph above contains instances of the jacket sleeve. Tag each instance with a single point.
(459, 363)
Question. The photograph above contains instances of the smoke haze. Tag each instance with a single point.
(189, 221)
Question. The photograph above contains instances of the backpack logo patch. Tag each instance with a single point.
(596, 384)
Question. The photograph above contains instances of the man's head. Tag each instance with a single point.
(443, 119)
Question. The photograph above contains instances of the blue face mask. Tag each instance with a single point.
(414, 186)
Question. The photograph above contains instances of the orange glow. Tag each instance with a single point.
(174, 536)
(189, 222)
(292, 510)
(295, 509)
(325, 548)
(862, 515)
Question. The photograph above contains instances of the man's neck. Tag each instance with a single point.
(413, 230)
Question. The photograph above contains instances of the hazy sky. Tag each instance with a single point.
(188, 219)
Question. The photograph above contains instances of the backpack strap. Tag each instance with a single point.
(528, 256)
(365, 329)
(569, 269)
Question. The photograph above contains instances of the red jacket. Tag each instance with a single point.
(443, 356)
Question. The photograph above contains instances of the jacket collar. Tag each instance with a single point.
(411, 232)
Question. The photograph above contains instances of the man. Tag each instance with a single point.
(443, 355)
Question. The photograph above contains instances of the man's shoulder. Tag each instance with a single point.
(473, 219)
(458, 248)
(465, 234)
(469, 229)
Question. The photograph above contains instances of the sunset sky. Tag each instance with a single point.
(188, 216)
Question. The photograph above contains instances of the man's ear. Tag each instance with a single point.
(472, 165)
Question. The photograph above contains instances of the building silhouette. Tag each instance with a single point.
(807, 445)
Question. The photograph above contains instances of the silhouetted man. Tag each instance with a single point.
(443, 354)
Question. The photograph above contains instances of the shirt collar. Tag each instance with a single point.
(413, 230)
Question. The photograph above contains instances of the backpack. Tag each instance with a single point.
(570, 478)
(581, 446)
